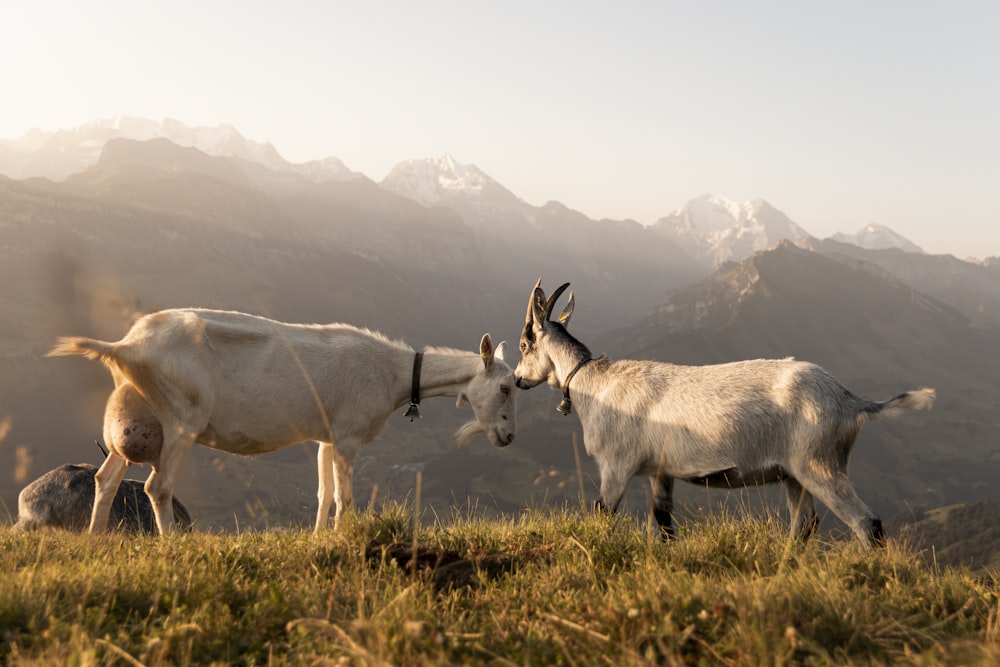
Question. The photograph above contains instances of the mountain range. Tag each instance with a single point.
(709, 228)
(57, 155)
(438, 253)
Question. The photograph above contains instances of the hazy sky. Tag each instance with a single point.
(838, 113)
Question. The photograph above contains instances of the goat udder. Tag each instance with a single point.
(139, 441)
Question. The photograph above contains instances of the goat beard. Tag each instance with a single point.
(467, 432)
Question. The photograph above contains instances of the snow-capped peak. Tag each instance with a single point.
(432, 181)
(455, 176)
(711, 213)
(877, 237)
(719, 230)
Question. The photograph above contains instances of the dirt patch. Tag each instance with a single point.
(446, 568)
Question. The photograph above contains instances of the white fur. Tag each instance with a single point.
(735, 424)
(246, 384)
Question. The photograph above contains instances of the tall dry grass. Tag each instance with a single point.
(546, 587)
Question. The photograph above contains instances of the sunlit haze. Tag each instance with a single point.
(839, 114)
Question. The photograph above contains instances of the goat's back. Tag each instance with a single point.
(779, 384)
(695, 421)
(215, 351)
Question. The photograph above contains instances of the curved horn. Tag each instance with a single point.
(567, 311)
(552, 299)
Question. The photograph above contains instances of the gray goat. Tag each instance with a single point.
(725, 425)
(64, 498)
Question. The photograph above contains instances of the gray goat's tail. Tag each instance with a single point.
(919, 399)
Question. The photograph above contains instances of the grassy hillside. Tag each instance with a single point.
(963, 534)
(558, 587)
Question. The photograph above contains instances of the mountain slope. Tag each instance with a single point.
(962, 535)
(971, 288)
(248, 198)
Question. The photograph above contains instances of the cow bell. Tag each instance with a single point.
(565, 406)
(413, 412)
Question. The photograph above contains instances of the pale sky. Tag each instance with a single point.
(837, 113)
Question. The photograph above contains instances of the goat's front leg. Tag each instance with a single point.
(324, 463)
(106, 481)
(663, 503)
(336, 466)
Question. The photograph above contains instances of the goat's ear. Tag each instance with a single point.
(501, 348)
(537, 310)
(528, 319)
(552, 299)
(462, 400)
(567, 311)
(486, 350)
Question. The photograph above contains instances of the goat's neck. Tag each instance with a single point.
(566, 359)
(443, 372)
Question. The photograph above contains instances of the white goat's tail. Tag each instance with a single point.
(919, 399)
(84, 347)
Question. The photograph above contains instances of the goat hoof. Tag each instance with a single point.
(877, 533)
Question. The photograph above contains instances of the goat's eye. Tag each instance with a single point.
(524, 346)
(505, 390)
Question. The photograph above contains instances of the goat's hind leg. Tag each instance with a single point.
(836, 492)
(106, 482)
(613, 485)
(663, 503)
(161, 482)
(801, 509)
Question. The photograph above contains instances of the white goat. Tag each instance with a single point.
(725, 425)
(247, 385)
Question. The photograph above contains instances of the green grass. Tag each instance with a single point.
(547, 587)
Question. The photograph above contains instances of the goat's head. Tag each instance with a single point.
(536, 365)
(491, 393)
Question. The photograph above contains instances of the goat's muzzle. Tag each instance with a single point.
(522, 383)
(503, 439)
